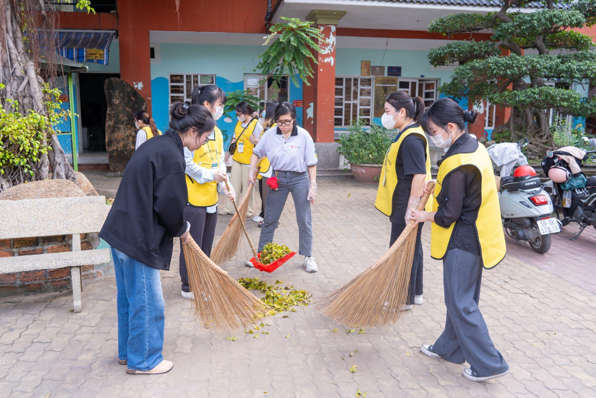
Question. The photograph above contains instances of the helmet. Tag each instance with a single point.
(524, 171)
(559, 174)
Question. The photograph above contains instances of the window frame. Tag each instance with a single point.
(352, 101)
(262, 102)
(184, 95)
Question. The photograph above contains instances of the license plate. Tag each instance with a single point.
(549, 226)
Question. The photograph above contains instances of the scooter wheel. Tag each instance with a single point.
(541, 244)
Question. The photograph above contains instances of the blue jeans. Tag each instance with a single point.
(140, 312)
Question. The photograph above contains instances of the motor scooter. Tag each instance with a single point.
(525, 207)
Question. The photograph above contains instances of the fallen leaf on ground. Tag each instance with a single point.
(232, 338)
(361, 331)
(353, 369)
(287, 336)
(350, 331)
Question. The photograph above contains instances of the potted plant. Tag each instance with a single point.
(365, 150)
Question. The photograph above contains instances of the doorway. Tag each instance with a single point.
(93, 111)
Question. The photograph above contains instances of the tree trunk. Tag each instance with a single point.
(20, 73)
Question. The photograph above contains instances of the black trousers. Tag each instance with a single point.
(417, 267)
(202, 230)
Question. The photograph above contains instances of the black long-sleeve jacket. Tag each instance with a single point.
(149, 206)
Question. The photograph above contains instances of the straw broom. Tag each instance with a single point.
(227, 245)
(220, 301)
(375, 297)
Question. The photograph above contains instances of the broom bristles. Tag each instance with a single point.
(375, 297)
(220, 301)
(227, 245)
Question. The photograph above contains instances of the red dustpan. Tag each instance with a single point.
(274, 265)
(255, 260)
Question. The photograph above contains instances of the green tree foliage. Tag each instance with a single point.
(516, 78)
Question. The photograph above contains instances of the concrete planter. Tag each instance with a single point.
(367, 173)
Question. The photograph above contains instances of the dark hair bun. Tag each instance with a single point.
(470, 116)
(180, 110)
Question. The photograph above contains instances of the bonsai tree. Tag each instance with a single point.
(525, 50)
(29, 108)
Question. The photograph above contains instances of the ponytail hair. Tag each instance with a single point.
(144, 117)
(446, 111)
(210, 93)
(185, 116)
(414, 106)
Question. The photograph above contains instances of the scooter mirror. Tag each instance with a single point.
(523, 142)
(549, 154)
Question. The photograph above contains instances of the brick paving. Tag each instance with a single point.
(541, 316)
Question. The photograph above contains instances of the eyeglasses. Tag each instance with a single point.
(284, 122)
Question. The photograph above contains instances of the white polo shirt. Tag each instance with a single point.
(297, 153)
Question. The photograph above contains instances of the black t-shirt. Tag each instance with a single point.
(460, 199)
(411, 160)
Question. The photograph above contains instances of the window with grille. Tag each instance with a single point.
(181, 85)
(490, 116)
(353, 100)
(272, 91)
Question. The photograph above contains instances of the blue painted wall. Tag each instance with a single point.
(228, 63)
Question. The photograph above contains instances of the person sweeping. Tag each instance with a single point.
(146, 215)
(405, 169)
(291, 151)
(467, 235)
(205, 171)
(267, 120)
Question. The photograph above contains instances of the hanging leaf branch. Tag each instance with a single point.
(292, 51)
(294, 44)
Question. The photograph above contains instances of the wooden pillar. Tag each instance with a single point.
(320, 98)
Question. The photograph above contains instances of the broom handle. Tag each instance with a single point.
(254, 252)
(193, 245)
(411, 225)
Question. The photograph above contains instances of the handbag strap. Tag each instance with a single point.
(238, 139)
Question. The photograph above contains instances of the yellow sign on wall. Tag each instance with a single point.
(95, 54)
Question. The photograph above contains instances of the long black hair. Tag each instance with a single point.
(185, 116)
(414, 106)
(270, 108)
(210, 93)
(144, 117)
(446, 111)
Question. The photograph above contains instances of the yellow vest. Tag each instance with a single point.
(264, 164)
(149, 132)
(488, 224)
(246, 154)
(388, 181)
(208, 157)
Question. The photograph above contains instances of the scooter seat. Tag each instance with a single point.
(510, 184)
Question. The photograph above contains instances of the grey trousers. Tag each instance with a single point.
(298, 185)
(465, 337)
(202, 230)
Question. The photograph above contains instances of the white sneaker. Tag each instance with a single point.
(249, 264)
(406, 307)
(257, 219)
(418, 300)
(310, 265)
(187, 295)
(427, 349)
(471, 374)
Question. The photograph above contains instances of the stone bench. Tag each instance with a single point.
(50, 217)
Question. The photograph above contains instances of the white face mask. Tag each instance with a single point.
(439, 141)
(136, 125)
(388, 122)
(218, 112)
(242, 118)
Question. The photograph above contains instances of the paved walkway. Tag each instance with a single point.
(541, 319)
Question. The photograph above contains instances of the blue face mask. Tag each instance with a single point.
(263, 114)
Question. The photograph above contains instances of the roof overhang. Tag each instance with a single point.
(366, 14)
